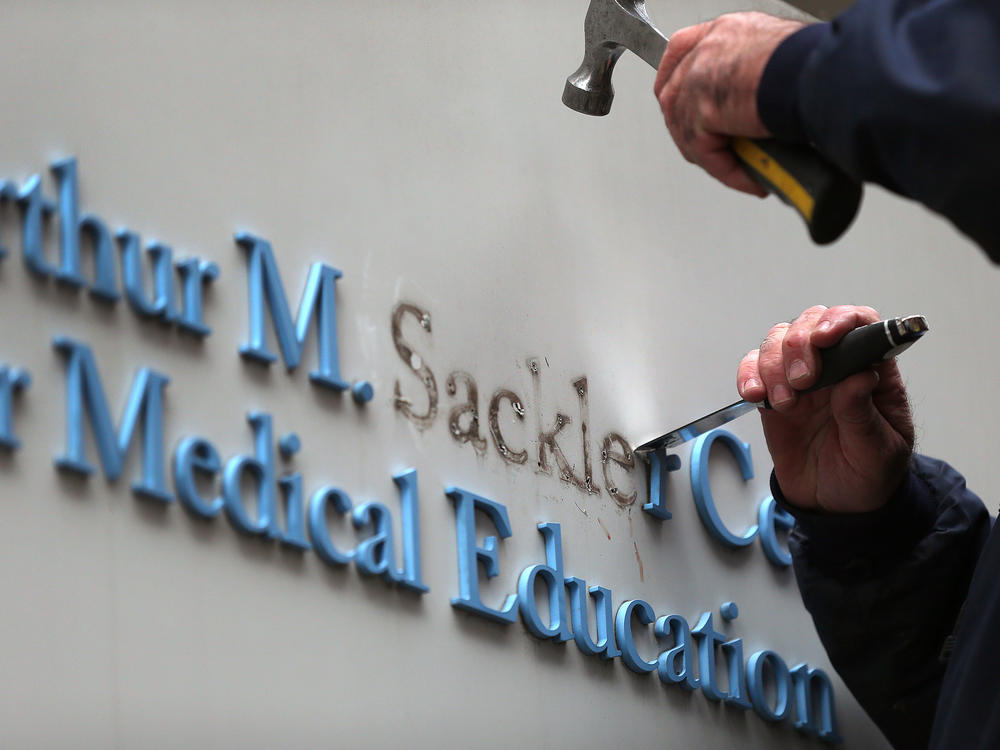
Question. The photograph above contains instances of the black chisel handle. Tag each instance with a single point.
(865, 347)
(823, 195)
(862, 348)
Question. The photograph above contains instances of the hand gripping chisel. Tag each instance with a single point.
(858, 350)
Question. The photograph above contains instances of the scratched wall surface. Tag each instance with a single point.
(525, 259)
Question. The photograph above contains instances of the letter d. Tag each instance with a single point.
(552, 574)
(261, 468)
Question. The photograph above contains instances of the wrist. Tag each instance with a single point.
(843, 538)
(777, 93)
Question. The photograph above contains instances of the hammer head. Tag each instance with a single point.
(611, 27)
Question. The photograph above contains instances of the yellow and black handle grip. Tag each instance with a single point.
(823, 195)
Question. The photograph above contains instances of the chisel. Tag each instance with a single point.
(858, 350)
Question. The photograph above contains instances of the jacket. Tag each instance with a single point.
(905, 93)
(906, 601)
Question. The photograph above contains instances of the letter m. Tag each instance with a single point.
(318, 299)
(85, 399)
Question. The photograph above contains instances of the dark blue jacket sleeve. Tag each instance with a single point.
(885, 590)
(905, 93)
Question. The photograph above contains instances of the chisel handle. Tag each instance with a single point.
(824, 196)
(865, 347)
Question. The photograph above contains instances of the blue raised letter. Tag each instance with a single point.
(318, 298)
(626, 640)
(196, 456)
(12, 381)
(35, 209)
(294, 533)
(162, 304)
(319, 532)
(375, 554)
(737, 677)
(708, 637)
(470, 555)
(409, 577)
(603, 614)
(703, 493)
(85, 394)
(71, 227)
(8, 196)
(667, 667)
(261, 467)
(770, 518)
(660, 464)
(812, 686)
(552, 574)
(195, 274)
(755, 686)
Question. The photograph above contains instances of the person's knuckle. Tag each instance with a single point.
(748, 365)
(796, 338)
(726, 21)
(682, 35)
(705, 110)
(691, 135)
(775, 335)
(768, 356)
(771, 370)
(779, 328)
(770, 348)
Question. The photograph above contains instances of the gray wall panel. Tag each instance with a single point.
(422, 149)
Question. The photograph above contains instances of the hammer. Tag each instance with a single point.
(823, 195)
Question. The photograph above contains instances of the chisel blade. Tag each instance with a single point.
(698, 427)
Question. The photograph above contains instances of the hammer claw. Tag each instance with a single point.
(611, 27)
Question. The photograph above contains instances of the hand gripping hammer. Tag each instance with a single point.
(824, 196)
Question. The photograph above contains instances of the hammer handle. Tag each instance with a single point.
(823, 195)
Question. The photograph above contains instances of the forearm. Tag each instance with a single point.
(903, 93)
(885, 590)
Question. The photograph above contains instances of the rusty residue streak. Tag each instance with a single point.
(639, 560)
(605, 528)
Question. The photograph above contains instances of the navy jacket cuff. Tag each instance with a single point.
(778, 92)
(890, 531)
